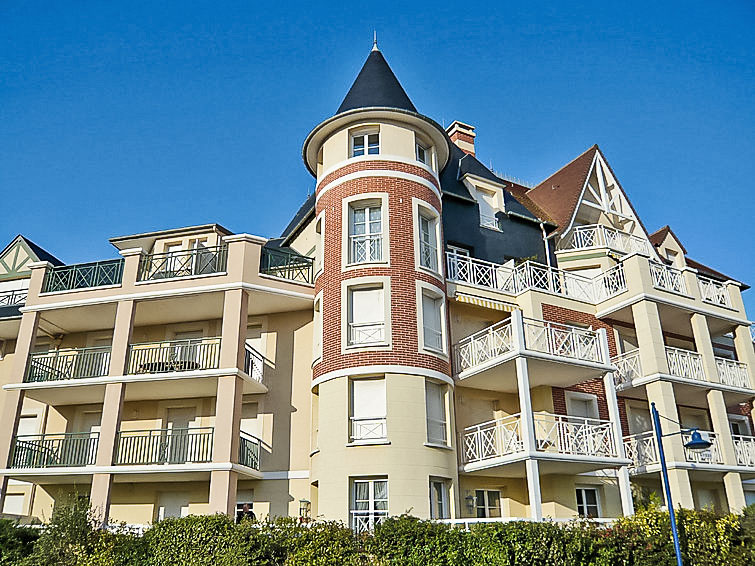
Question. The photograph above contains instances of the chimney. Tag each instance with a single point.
(462, 135)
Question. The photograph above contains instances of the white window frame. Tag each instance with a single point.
(743, 422)
(317, 331)
(372, 515)
(486, 507)
(363, 134)
(360, 201)
(444, 502)
(571, 396)
(424, 288)
(420, 209)
(368, 429)
(349, 285)
(429, 384)
(584, 489)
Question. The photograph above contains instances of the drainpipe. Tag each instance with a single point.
(547, 247)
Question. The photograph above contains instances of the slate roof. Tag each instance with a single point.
(41, 253)
(657, 237)
(300, 218)
(376, 87)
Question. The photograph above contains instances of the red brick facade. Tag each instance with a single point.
(401, 270)
(378, 166)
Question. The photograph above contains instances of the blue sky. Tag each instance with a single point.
(124, 118)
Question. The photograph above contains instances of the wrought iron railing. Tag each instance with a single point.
(254, 363)
(641, 449)
(711, 455)
(734, 373)
(54, 450)
(628, 367)
(184, 263)
(13, 298)
(597, 235)
(492, 439)
(249, 451)
(562, 340)
(744, 450)
(83, 275)
(366, 333)
(685, 363)
(68, 363)
(574, 435)
(165, 446)
(714, 292)
(667, 278)
(174, 355)
(534, 276)
(287, 265)
(482, 346)
(368, 428)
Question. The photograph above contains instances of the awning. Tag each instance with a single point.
(486, 303)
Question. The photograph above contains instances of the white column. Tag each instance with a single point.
(527, 430)
(625, 488)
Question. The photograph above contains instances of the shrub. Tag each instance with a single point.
(16, 542)
(407, 541)
(191, 541)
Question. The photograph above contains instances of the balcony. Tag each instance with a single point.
(368, 429)
(73, 449)
(184, 263)
(164, 446)
(287, 265)
(628, 368)
(731, 372)
(744, 449)
(714, 292)
(710, 456)
(105, 273)
(366, 333)
(562, 340)
(483, 346)
(174, 356)
(685, 363)
(642, 450)
(599, 236)
(14, 298)
(535, 277)
(69, 363)
(667, 278)
(249, 451)
(554, 435)
(254, 363)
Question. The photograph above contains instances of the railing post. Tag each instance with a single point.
(518, 340)
(625, 489)
(605, 354)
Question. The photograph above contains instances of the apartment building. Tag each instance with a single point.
(425, 337)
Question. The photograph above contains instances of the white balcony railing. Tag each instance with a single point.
(599, 236)
(710, 456)
(628, 368)
(535, 276)
(744, 449)
(562, 340)
(366, 333)
(574, 435)
(714, 292)
(667, 278)
(482, 346)
(490, 221)
(731, 372)
(492, 439)
(368, 428)
(641, 449)
(685, 363)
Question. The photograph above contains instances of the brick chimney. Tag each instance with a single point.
(462, 135)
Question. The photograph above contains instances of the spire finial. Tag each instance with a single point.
(374, 41)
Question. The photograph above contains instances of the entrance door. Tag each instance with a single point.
(178, 438)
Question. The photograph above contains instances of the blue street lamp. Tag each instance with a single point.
(696, 442)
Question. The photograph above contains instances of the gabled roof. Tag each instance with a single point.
(657, 237)
(559, 194)
(41, 253)
(376, 87)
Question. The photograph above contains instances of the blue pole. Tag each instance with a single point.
(664, 474)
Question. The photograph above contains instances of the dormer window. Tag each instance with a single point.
(489, 207)
(365, 143)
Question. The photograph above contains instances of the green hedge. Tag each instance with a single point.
(71, 539)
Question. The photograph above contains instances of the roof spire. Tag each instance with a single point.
(374, 41)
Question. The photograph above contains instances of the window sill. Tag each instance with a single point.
(492, 228)
(429, 271)
(374, 442)
(360, 264)
(435, 445)
(366, 345)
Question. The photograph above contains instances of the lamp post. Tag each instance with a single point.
(696, 442)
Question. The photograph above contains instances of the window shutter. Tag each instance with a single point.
(367, 305)
(368, 398)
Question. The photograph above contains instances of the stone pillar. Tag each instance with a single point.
(745, 351)
(735, 495)
(228, 402)
(14, 399)
(112, 410)
(704, 345)
(662, 394)
(647, 324)
(625, 488)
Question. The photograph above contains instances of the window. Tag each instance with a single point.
(368, 410)
(366, 234)
(456, 250)
(439, 499)
(369, 503)
(432, 321)
(423, 154)
(488, 503)
(428, 242)
(436, 412)
(487, 202)
(582, 405)
(317, 339)
(362, 140)
(319, 251)
(366, 316)
(587, 502)
(740, 425)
